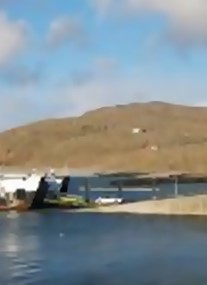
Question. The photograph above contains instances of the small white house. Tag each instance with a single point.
(154, 148)
(136, 131)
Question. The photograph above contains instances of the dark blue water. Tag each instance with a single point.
(53, 247)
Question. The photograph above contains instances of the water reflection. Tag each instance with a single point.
(65, 248)
(19, 250)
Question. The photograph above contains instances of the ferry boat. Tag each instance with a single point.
(25, 191)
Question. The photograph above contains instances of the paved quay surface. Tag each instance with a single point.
(195, 205)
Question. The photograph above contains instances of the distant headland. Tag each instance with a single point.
(142, 137)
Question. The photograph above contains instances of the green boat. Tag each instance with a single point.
(67, 201)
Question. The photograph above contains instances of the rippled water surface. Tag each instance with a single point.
(53, 247)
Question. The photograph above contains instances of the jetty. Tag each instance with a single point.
(188, 206)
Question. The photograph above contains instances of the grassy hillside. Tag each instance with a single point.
(103, 139)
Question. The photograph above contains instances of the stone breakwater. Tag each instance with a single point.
(195, 205)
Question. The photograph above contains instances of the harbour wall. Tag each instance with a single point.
(195, 205)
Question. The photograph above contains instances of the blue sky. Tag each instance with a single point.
(61, 58)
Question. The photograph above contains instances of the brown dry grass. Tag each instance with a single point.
(102, 139)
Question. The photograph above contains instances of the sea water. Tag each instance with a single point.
(61, 247)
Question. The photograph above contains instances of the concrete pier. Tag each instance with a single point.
(195, 205)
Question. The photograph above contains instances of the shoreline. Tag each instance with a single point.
(117, 178)
(188, 206)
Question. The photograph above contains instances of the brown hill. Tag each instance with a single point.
(103, 139)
